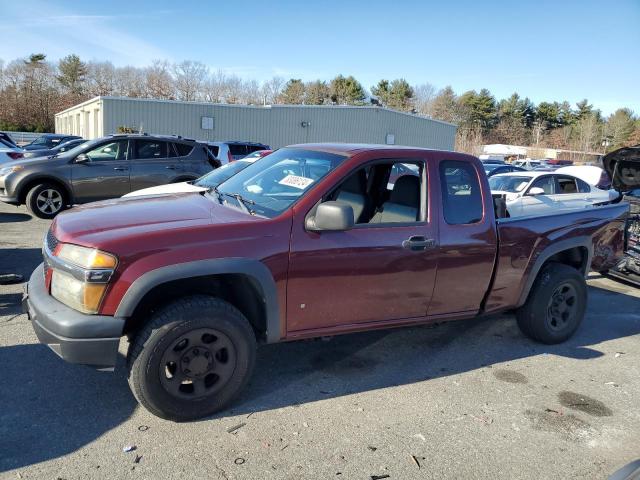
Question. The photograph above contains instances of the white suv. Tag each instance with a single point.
(230, 151)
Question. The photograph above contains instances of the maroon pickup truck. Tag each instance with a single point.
(309, 241)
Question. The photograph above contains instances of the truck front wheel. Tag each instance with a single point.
(191, 359)
(555, 306)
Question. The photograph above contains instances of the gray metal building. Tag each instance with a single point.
(275, 125)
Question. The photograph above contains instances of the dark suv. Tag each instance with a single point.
(104, 168)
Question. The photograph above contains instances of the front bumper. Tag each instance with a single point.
(76, 337)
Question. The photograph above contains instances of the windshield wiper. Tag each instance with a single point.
(243, 202)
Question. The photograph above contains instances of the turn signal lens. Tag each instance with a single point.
(84, 297)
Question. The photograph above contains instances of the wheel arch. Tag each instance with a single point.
(245, 283)
(29, 182)
(574, 252)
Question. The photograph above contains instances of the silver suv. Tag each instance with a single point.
(107, 167)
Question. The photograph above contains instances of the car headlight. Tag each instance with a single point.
(86, 257)
(7, 170)
(81, 279)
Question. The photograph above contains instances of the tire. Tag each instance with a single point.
(46, 200)
(191, 359)
(555, 306)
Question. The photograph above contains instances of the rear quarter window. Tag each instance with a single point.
(238, 150)
(461, 197)
(183, 149)
(583, 187)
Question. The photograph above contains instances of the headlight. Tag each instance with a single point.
(80, 275)
(82, 296)
(7, 170)
(86, 257)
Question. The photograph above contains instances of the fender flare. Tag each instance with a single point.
(554, 248)
(235, 265)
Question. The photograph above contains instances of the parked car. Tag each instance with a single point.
(486, 158)
(543, 193)
(230, 151)
(49, 140)
(7, 140)
(495, 168)
(52, 152)
(104, 168)
(593, 175)
(10, 154)
(202, 184)
(258, 154)
(306, 242)
(531, 163)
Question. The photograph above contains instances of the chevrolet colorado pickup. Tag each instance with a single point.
(312, 240)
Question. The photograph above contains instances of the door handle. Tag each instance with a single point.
(171, 167)
(121, 169)
(418, 243)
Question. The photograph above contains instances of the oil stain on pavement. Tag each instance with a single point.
(510, 376)
(588, 405)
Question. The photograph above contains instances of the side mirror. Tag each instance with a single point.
(332, 217)
(536, 191)
(82, 158)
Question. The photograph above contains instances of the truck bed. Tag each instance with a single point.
(591, 239)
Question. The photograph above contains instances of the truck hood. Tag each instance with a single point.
(94, 224)
(623, 166)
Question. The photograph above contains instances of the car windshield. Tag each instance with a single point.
(221, 174)
(83, 147)
(41, 141)
(276, 181)
(509, 183)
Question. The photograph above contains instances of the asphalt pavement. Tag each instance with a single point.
(469, 399)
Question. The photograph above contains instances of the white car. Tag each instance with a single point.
(540, 193)
(210, 180)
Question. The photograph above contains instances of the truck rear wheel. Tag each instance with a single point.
(555, 306)
(191, 359)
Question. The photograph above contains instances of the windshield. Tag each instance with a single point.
(509, 183)
(41, 141)
(490, 168)
(83, 147)
(221, 174)
(276, 181)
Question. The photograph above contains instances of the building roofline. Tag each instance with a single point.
(260, 107)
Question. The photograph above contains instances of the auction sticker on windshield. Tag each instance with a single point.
(296, 181)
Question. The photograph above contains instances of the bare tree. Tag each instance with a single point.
(129, 82)
(271, 90)
(158, 81)
(423, 96)
(101, 79)
(214, 87)
(189, 79)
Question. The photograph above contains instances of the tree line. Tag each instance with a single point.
(33, 89)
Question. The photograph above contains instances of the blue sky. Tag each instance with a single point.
(547, 50)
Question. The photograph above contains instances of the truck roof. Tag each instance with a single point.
(353, 148)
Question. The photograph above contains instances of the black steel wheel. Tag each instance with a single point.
(192, 358)
(555, 306)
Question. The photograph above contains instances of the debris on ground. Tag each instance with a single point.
(284, 447)
(235, 428)
(420, 436)
(137, 459)
(415, 460)
(613, 384)
(372, 448)
(239, 461)
(618, 354)
(143, 428)
(551, 410)
(379, 477)
(305, 424)
(129, 448)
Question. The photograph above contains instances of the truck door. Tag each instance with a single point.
(468, 240)
(381, 270)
